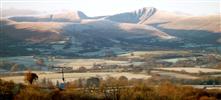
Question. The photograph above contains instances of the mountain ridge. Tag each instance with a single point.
(69, 16)
(146, 27)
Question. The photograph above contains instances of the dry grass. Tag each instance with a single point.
(191, 69)
(74, 76)
(140, 90)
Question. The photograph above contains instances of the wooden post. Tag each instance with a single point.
(62, 72)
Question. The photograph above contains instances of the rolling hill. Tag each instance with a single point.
(189, 29)
(69, 16)
(33, 32)
(146, 27)
(210, 23)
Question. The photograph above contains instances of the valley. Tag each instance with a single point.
(146, 50)
(172, 65)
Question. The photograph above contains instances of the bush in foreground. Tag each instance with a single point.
(114, 90)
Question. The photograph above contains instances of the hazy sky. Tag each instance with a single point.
(108, 7)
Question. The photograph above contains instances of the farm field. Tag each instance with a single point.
(74, 63)
(174, 60)
(54, 77)
(191, 69)
(157, 61)
(174, 75)
(137, 54)
(88, 63)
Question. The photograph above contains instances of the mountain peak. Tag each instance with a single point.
(145, 13)
(69, 16)
(144, 9)
(137, 16)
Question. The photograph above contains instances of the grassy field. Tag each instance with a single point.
(74, 63)
(191, 69)
(87, 63)
(174, 60)
(138, 54)
(174, 75)
(153, 52)
(73, 76)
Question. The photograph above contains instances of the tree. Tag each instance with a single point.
(30, 77)
(82, 69)
(123, 80)
(93, 82)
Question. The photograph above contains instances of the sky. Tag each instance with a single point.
(110, 7)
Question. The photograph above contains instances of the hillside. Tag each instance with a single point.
(169, 20)
(143, 28)
(161, 16)
(137, 16)
(27, 31)
(210, 23)
(69, 16)
(193, 29)
(100, 28)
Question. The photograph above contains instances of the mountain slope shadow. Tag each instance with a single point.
(191, 36)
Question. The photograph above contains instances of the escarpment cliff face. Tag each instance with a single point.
(137, 16)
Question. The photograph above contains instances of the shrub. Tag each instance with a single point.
(30, 77)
